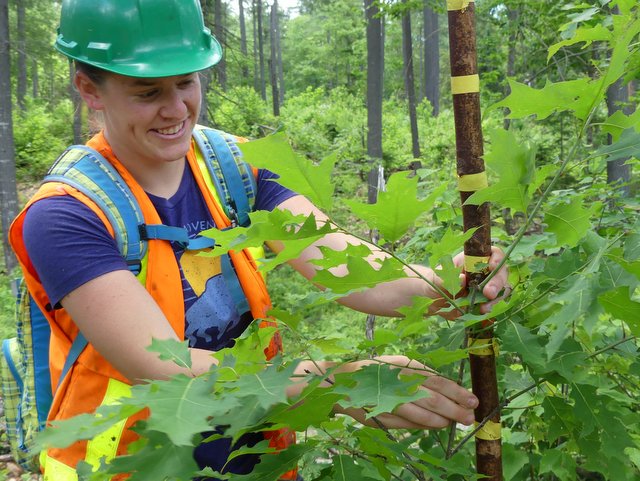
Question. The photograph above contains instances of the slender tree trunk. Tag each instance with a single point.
(205, 75)
(77, 107)
(279, 67)
(432, 59)
(263, 85)
(465, 87)
(21, 84)
(218, 19)
(273, 62)
(256, 64)
(409, 85)
(512, 15)
(618, 172)
(375, 69)
(8, 191)
(243, 41)
(35, 87)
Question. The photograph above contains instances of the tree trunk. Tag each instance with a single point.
(465, 88)
(273, 62)
(21, 84)
(263, 85)
(279, 67)
(375, 68)
(205, 76)
(243, 41)
(407, 55)
(431, 73)
(35, 87)
(218, 19)
(256, 64)
(8, 191)
(512, 15)
(77, 107)
(618, 173)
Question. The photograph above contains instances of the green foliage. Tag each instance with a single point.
(240, 110)
(40, 136)
(568, 367)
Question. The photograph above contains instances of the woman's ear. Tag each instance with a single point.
(88, 90)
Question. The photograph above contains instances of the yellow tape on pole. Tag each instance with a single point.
(473, 182)
(465, 84)
(458, 4)
(490, 431)
(483, 347)
(473, 263)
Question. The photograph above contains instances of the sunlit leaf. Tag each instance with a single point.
(568, 221)
(396, 209)
(296, 172)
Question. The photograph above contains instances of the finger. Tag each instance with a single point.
(413, 414)
(436, 403)
(452, 391)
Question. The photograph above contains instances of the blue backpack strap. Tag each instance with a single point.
(232, 176)
(89, 172)
(78, 345)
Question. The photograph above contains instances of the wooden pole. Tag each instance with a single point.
(465, 88)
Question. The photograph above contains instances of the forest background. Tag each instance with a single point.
(358, 87)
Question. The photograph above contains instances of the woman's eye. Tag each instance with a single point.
(185, 83)
(147, 94)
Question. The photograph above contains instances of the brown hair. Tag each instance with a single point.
(95, 74)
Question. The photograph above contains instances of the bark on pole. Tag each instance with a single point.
(465, 89)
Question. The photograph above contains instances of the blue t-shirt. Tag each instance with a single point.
(69, 245)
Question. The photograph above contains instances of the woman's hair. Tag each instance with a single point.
(96, 74)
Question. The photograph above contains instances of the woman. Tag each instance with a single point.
(138, 66)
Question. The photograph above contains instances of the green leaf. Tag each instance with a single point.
(559, 463)
(573, 95)
(378, 387)
(619, 304)
(514, 460)
(450, 243)
(618, 122)
(172, 350)
(297, 173)
(559, 418)
(627, 146)
(360, 275)
(520, 340)
(180, 406)
(588, 35)
(271, 466)
(158, 458)
(569, 221)
(397, 208)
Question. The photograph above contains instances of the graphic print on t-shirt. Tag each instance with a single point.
(211, 314)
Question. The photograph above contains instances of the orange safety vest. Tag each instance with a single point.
(93, 381)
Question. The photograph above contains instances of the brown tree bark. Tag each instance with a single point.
(471, 172)
(263, 83)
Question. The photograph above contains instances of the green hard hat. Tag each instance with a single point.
(138, 38)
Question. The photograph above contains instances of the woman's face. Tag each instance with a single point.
(148, 121)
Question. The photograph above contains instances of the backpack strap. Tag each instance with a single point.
(231, 175)
(86, 170)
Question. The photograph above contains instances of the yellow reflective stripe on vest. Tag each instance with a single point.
(55, 470)
(105, 445)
